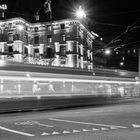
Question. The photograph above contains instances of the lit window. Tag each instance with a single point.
(62, 50)
(10, 37)
(63, 36)
(49, 38)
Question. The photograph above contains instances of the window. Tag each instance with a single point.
(10, 49)
(25, 39)
(62, 50)
(62, 26)
(50, 53)
(49, 27)
(36, 29)
(26, 51)
(10, 25)
(36, 39)
(63, 37)
(36, 50)
(49, 38)
(10, 37)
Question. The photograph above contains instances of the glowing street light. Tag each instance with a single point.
(107, 51)
(121, 63)
(3, 7)
(80, 13)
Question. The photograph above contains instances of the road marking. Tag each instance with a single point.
(86, 123)
(104, 128)
(45, 134)
(55, 133)
(113, 128)
(94, 129)
(32, 123)
(17, 132)
(136, 125)
(75, 131)
(66, 132)
(86, 130)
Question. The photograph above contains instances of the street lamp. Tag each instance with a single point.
(121, 63)
(107, 51)
(80, 13)
(3, 7)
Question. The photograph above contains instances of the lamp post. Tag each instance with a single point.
(3, 7)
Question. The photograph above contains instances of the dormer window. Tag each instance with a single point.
(62, 26)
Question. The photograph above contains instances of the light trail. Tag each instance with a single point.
(65, 79)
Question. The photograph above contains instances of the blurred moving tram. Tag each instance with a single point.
(29, 87)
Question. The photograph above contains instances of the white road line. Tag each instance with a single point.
(96, 111)
(94, 129)
(66, 132)
(17, 132)
(45, 134)
(113, 128)
(86, 123)
(86, 130)
(136, 125)
(104, 128)
(75, 131)
(55, 133)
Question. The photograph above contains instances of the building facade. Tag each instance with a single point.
(65, 43)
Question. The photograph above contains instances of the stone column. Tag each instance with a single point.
(18, 46)
(71, 55)
(139, 62)
(3, 47)
(81, 56)
(57, 50)
(30, 52)
(41, 49)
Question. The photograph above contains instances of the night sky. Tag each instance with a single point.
(100, 13)
(108, 18)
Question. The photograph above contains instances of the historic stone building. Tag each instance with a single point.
(64, 43)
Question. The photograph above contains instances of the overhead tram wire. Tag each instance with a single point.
(124, 32)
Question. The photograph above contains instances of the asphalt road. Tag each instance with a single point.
(110, 122)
